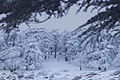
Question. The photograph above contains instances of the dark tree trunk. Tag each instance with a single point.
(55, 51)
(105, 69)
(60, 53)
(80, 67)
(66, 58)
(45, 57)
(99, 68)
(51, 50)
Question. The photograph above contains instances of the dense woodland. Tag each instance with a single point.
(28, 49)
(95, 44)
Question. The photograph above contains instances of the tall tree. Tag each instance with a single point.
(55, 40)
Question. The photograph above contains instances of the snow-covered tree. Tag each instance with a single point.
(22, 52)
(65, 36)
(73, 48)
(116, 61)
(55, 41)
(32, 56)
(80, 59)
(101, 58)
(10, 58)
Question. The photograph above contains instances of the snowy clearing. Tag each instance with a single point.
(58, 69)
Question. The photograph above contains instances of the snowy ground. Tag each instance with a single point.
(58, 69)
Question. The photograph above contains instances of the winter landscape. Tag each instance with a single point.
(59, 39)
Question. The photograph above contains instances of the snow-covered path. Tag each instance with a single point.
(58, 69)
(58, 64)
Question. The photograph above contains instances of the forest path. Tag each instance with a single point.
(58, 69)
(58, 64)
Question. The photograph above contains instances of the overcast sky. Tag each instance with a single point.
(67, 23)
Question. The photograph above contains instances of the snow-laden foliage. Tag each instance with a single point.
(100, 52)
(28, 49)
(32, 56)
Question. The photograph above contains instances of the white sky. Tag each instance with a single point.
(67, 23)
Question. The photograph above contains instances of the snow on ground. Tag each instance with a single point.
(58, 69)
(58, 64)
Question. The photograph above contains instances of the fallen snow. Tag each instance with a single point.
(58, 69)
(58, 64)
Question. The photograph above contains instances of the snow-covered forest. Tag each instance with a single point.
(35, 48)
(89, 51)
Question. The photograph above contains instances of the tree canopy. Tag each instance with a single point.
(107, 18)
(19, 11)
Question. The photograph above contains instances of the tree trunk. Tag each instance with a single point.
(99, 68)
(51, 50)
(45, 57)
(66, 58)
(60, 53)
(105, 69)
(55, 51)
(80, 67)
